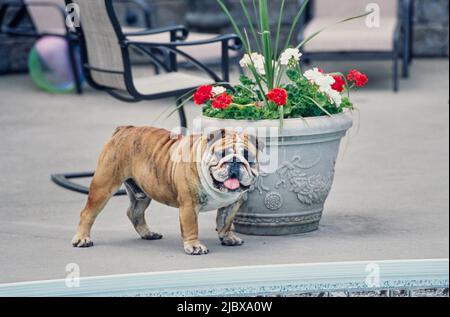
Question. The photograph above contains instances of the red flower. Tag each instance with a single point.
(203, 94)
(278, 96)
(358, 78)
(339, 83)
(222, 101)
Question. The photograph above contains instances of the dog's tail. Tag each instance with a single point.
(119, 129)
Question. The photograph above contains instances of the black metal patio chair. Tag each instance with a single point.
(388, 38)
(49, 18)
(107, 67)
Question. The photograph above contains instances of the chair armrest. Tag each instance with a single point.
(4, 6)
(221, 38)
(175, 30)
(172, 49)
(141, 5)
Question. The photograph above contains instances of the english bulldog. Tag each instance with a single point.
(193, 173)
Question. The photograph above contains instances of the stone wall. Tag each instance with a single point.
(167, 12)
(14, 51)
(431, 27)
(14, 54)
(431, 34)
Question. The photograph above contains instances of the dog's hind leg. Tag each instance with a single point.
(103, 186)
(139, 203)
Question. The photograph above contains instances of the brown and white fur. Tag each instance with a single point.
(193, 173)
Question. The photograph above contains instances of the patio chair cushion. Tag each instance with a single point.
(348, 8)
(203, 53)
(169, 82)
(351, 36)
(47, 19)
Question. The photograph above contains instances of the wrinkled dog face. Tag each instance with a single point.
(233, 162)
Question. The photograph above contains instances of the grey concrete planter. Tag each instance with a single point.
(290, 197)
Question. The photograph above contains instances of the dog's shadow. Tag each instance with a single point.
(332, 226)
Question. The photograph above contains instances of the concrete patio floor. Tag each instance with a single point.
(390, 198)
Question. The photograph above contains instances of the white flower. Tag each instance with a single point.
(255, 59)
(218, 90)
(324, 81)
(290, 57)
(335, 97)
(313, 74)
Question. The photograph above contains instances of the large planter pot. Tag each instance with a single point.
(290, 197)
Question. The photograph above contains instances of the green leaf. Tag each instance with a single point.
(295, 22)
(250, 23)
(268, 55)
(246, 81)
(233, 22)
(181, 105)
(319, 106)
(264, 16)
(277, 40)
(293, 75)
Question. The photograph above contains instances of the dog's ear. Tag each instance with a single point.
(216, 135)
(257, 142)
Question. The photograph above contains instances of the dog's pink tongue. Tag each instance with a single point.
(232, 184)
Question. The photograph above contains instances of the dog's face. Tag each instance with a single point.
(233, 160)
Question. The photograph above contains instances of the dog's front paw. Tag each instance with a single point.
(195, 248)
(82, 242)
(231, 239)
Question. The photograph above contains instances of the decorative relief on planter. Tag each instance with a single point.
(273, 201)
(259, 184)
(287, 220)
(310, 189)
